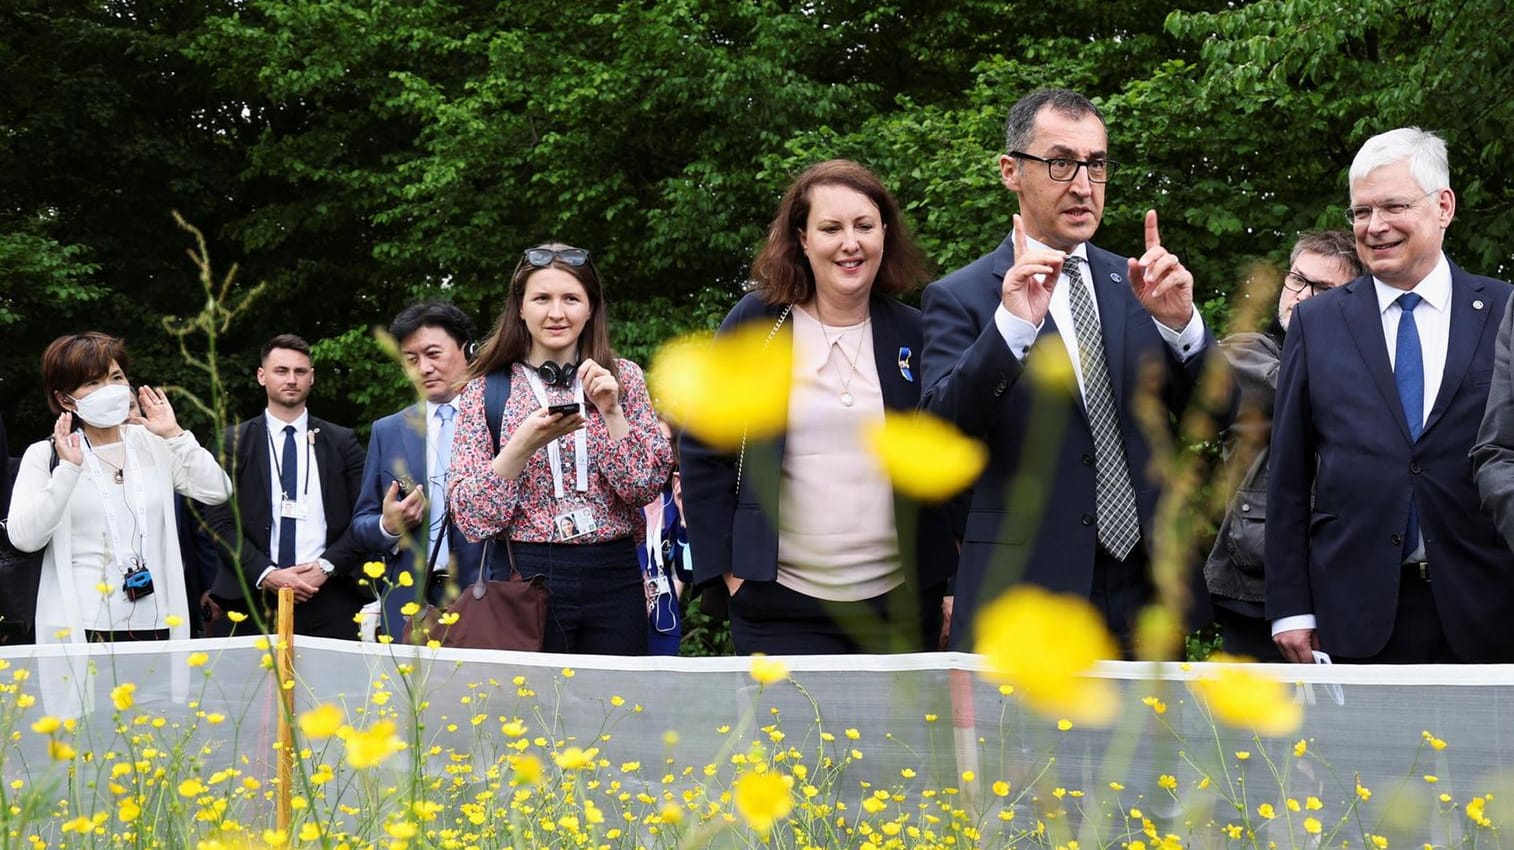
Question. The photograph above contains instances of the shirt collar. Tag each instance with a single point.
(1435, 288)
(1081, 251)
(815, 356)
(276, 425)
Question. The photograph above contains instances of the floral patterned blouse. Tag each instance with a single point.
(624, 474)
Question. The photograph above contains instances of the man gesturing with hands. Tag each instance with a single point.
(1067, 498)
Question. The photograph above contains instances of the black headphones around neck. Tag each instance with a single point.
(557, 374)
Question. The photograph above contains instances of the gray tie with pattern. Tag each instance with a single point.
(1119, 525)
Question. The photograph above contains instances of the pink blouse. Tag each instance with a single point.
(624, 474)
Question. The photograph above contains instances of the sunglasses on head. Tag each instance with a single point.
(542, 257)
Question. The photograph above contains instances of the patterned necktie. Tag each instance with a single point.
(1119, 525)
(1409, 375)
(289, 474)
(438, 494)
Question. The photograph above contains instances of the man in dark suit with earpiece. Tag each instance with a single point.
(402, 505)
(296, 481)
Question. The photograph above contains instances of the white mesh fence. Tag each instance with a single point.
(915, 750)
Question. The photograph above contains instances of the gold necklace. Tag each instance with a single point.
(847, 399)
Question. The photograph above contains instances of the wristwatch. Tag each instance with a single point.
(326, 566)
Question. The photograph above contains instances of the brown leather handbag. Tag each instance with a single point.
(508, 614)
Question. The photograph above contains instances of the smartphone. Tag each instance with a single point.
(565, 409)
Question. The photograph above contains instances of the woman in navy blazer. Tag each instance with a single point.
(801, 530)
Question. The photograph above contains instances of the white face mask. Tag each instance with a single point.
(106, 407)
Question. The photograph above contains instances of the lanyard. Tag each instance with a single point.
(655, 519)
(580, 439)
(139, 494)
(278, 464)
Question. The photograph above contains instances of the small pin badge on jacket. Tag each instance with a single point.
(1476, 305)
(904, 355)
(310, 435)
(1116, 277)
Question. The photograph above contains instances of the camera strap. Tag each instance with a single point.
(580, 438)
(132, 479)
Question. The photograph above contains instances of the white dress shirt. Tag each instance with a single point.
(1432, 318)
(310, 532)
(1019, 334)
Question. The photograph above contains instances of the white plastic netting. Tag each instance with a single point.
(518, 749)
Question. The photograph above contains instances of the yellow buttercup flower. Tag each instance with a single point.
(122, 696)
(766, 671)
(374, 569)
(574, 758)
(59, 750)
(197, 659)
(726, 388)
(235, 616)
(46, 725)
(925, 457)
(1312, 826)
(406, 579)
(371, 746)
(173, 621)
(323, 721)
(1241, 697)
(1045, 644)
(410, 609)
(528, 770)
(763, 799)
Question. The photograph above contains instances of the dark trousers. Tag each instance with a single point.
(1417, 637)
(599, 603)
(1247, 636)
(770, 618)
(1119, 591)
(327, 614)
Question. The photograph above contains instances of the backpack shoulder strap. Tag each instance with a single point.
(496, 394)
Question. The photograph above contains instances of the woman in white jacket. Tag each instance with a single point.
(112, 569)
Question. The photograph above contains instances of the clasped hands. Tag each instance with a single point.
(1158, 280)
(305, 579)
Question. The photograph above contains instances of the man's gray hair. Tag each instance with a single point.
(1425, 152)
(1021, 125)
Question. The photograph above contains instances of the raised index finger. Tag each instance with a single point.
(1019, 238)
(1153, 238)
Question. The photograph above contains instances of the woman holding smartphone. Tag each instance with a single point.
(578, 454)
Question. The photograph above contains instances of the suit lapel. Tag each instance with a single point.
(329, 470)
(1108, 288)
(1467, 324)
(413, 445)
(890, 349)
(259, 495)
(1364, 321)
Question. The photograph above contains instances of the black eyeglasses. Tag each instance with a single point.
(1296, 282)
(542, 257)
(1064, 170)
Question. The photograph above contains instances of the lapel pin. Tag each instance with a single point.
(1115, 277)
(1476, 305)
(904, 355)
(310, 436)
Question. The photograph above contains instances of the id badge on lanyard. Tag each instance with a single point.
(577, 519)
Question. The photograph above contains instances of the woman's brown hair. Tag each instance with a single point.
(73, 360)
(511, 341)
(781, 270)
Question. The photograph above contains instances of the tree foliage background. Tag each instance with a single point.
(356, 155)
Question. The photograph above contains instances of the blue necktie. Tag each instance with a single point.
(289, 475)
(438, 494)
(1409, 374)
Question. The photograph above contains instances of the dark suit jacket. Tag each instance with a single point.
(397, 452)
(339, 461)
(1343, 468)
(737, 532)
(1032, 513)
